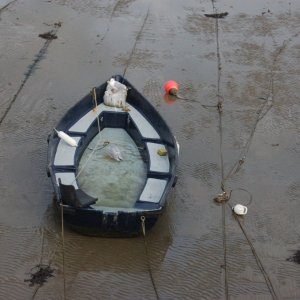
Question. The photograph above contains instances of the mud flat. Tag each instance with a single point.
(244, 69)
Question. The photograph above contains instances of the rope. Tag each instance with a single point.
(100, 148)
(63, 248)
(220, 110)
(88, 159)
(42, 247)
(236, 167)
(147, 255)
(135, 43)
(94, 96)
(41, 263)
(225, 250)
(258, 261)
(238, 164)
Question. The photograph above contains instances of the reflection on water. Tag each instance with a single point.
(114, 183)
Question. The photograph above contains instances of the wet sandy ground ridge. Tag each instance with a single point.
(244, 139)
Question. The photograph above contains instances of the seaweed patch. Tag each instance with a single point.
(217, 15)
(295, 258)
(48, 36)
(39, 274)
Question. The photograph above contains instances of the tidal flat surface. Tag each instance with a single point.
(242, 138)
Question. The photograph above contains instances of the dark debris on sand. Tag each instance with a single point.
(295, 258)
(48, 35)
(40, 276)
(217, 16)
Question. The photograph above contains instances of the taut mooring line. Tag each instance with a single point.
(110, 18)
(41, 263)
(43, 271)
(258, 261)
(269, 101)
(238, 164)
(219, 107)
(63, 249)
(136, 40)
(143, 219)
(267, 105)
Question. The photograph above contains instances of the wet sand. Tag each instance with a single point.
(248, 63)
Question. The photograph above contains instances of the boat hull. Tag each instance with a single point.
(96, 223)
(149, 132)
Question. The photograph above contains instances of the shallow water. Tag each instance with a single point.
(198, 249)
(114, 183)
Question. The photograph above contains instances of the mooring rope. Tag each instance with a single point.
(63, 248)
(143, 219)
(258, 261)
(94, 97)
(220, 110)
(136, 41)
(237, 166)
(40, 264)
(224, 234)
(42, 247)
(42, 271)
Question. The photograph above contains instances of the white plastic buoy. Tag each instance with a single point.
(69, 140)
(240, 209)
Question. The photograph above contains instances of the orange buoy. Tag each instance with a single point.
(171, 87)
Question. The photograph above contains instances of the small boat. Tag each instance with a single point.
(112, 166)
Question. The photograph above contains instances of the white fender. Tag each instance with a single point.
(69, 140)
